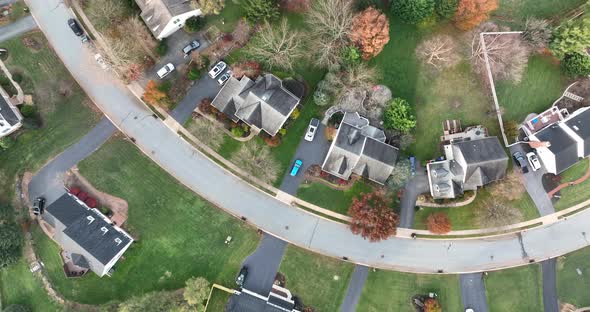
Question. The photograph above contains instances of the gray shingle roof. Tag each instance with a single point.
(86, 228)
(359, 148)
(580, 124)
(159, 12)
(485, 158)
(562, 146)
(7, 112)
(264, 104)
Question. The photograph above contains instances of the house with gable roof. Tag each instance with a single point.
(164, 17)
(10, 116)
(360, 148)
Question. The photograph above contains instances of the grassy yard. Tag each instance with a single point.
(574, 194)
(541, 85)
(465, 217)
(387, 291)
(65, 118)
(19, 286)
(517, 289)
(179, 235)
(218, 301)
(319, 281)
(329, 198)
(520, 10)
(571, 286)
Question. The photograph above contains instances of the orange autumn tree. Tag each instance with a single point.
(432, 305)
(372, 216)
(370, 32)
(438, 223)
(153, 95)
(471, 13)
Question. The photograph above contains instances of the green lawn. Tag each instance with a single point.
(179, 234)
(218, 301)
(465, 218)
(65, 119)
(319, 281)
(520, 10)
(541, 85)
(387, 291)
(329, 198)
(574, 194)
(518, 289)
(571, 286)
(575, 172)
(19, 286)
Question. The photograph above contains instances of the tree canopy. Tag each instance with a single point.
(571, 37)
(412, 11)
(260, 10)
(210, 6)
(372, 216)
(471, 13)
(399, 116)
(370, 32)
(576, 64)
(196, 291)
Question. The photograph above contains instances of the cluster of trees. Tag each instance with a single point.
(569, 44)
(373, 217)
(192, 298)
(10, 243)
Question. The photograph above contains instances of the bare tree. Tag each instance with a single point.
(207, 132)
(104, 13)
(510, 187)
(276, 46)
(507, 53)
(353, 78)
(330, 21)
(494, 212)
(440, 52)
(537, 32)
(258, 161)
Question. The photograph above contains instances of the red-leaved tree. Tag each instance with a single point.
(153, 95)
(370, 32)
(471, 13)
(372, 216)
(250, 69)
(438, 223)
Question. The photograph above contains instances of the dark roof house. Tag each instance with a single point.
(360, 148)
(566, 141)
(89, 236)
(10, 117)
(264, 104)
(469, 164)
(164, 17)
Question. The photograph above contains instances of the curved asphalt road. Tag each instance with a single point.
(225, 190)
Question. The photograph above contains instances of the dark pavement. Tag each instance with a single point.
(533, 183)
(263, 265)
(550, 300)
(416, 186)
(311, 153)
(5, 2)
(473, 292)
(355, 288)
(203, 88)
(48, 182)
(17, 28)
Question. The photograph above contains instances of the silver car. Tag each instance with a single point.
(217, 69)
(166, 70)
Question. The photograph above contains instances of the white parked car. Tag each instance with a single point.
(312, 129)
(225, 77)
(217, 69)
(101, 62)
(533, 161)
(166, 70)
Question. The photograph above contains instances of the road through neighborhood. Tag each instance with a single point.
(296, 226)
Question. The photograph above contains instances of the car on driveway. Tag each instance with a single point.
(533, 161)
(225, 77)
(298, 163)
(241, 278)
(520, 161)
(166, 70)
(38, 206)
(217, 69)
(311, 129)
(190, 47)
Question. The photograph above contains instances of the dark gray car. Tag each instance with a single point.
(521, 161)
(190, 47)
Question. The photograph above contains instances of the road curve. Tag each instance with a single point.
(230, 193)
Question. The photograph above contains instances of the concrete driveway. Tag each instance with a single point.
(355, 288)
(416, 186)
(17, 28)
(473, 292)
(311, 153)
(263, 264)
(550, 299)
(204, 87)
(534, 184)
(174, 55)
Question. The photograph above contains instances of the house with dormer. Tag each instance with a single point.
(165, 17)
(88, 239)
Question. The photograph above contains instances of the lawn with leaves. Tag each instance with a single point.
(329, 198)
(574, 194)
(319, 281)
(387, 291)
(179, 235)
(517, 289)
(572, 286)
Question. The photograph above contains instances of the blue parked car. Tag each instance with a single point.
(298, 163)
